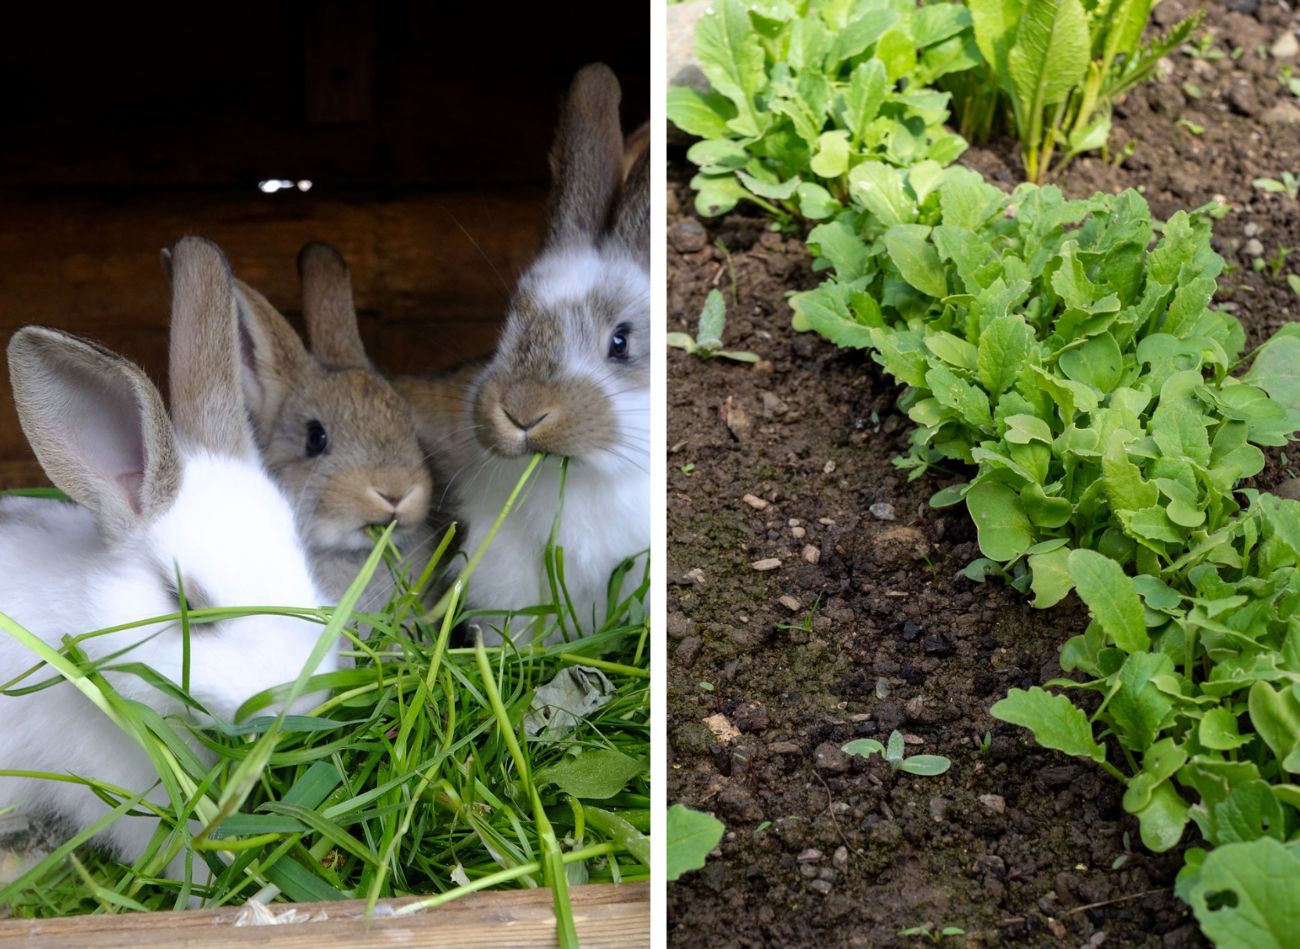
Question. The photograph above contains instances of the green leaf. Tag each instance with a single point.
(717, 194)
(1249, 813)
(1276, 370)
(1003, 527)
(597, 774)
(1055, 721)
(1137, 708)
(1051, 582)
(701, 114)
(691, 838)
(730, 55)
(864, 747)
(880, 189)
(712, 320)
(1161, 822)
(864, 97)
(953, 350)
(1097, 362)
(995, 23)
(681, 341)
(845, 251)
(1110, 595)
(927, 765)
(958, 394)
(1218, 730)
(859, 34)
(1276, 716)
(915, 257)
(1049, 56)
(815, 202)
(832, 158)
(1248, 894)
(1003, 352)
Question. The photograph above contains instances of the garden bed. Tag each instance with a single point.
(1014, 843)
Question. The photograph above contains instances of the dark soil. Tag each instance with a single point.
(784, 461)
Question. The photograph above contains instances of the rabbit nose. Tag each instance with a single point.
(526, 426)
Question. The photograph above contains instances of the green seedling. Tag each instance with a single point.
(1191, 126)
(1203, 47)
(1293, 282)
(927, 931)
(1287, 77)
(1288, 185)
(986, 743)
(687, 468)
(806, 624)
(707, 342)
(927, 765)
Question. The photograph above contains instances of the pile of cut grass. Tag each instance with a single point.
(418, 775)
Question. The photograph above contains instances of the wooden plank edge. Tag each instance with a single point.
(606, 915)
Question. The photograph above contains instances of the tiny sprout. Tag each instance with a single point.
(708, 337)
(926, 765)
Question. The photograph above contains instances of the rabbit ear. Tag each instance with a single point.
(206, 395)
(587, 158)
(328, 310)
(97, 425)
(631, 227)
(271, 356)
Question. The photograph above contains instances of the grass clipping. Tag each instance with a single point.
(417, 776)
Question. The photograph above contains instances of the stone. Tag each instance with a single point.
(829, 758)
(937, 645)
(811, 855)
(722, 728)
(772, 405)
(687, 650)
(757, 503)
(1285, 46)
(766, 564)
(938, 809)
(1253, 248)
(688, 236)
(841, 857)
(790, 603)
(784, 748)
(811, 554)
(1251, 229)
(995, 803)
(882, 511)
(1283, 113)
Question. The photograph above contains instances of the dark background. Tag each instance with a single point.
(423, 127)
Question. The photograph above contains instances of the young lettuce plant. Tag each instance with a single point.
(804, 92)
(707, 342)
(1060, 64)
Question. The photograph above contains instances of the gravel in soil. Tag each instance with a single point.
(863, 626)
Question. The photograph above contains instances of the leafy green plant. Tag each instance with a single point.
(707, 342)
(1060, 65)
(806, 624)
(1289, 185)
(692, 836)
(803, 92)
(928, 765)
(1068, 351)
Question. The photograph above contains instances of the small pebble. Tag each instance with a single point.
(798, 533)
(1286, 47)
(994, 802)
(794, 522)
(811, 855)
(1251, 229)
(882, 511)
(826, 521)
(1253, 248)
(757, 503)
(821, 886)
(769, 563)
(828, 467)
(841, 858)
(811, 554)
(695, 576)
(790, 603)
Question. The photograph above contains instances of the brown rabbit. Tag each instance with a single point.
(332, 432)
(570, 377)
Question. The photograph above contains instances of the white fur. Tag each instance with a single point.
(231, 532)
(606, 516)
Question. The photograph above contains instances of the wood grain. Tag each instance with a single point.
(606, 915)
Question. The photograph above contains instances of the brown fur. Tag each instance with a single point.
(207, 408)
(328, 310)
(587, 158)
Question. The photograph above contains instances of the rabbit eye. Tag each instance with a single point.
(618, 342)
(317, 440)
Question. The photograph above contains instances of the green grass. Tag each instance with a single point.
(416, 776)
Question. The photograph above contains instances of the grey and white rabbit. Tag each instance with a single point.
(152, 495)
(570, 377)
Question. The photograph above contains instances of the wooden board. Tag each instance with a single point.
(606, 915)
(432, 272)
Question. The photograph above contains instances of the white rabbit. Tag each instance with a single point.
(153, 496)
(570, 377)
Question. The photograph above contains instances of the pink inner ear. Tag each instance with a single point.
(132, 483)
